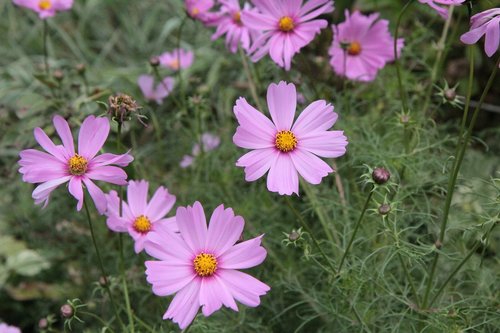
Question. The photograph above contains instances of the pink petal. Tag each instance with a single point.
(224, 230)
(107, 158)
(244, 255)
(166, 278)
(93, 133)
(109, 174)
(255, 130)
(76, 190)
(309, 166)
(64, 132)
(97, 195)
(193, 226)
(472, 36)
(283, 177)
(326, 144)
(317, 116)
(137, 197)
(282, 102)
(492, 37)
(49, 146)
(209, 298)
(146, 83)
(114, 221)
(164, 245)
(185, 305)
(257, 162)
(244, 288)
(42, 191)
(160, 204)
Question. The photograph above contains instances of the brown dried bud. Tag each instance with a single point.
(438, 244)
(384, 209)
(380, 176)
(121, 107)
(66, 311)
(154, 61)
(103, 281)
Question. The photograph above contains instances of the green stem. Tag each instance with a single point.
(410, 280)
(306, 227)
(251, 81)
(101, 266)
(90, 314)
(356, 227)
(45, 51)
(124, 284)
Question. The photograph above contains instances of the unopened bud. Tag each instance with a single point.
(80, 68)
(438, 244)
(103, 281)
(66, 311)
(58, 75)
(450, 94)
(405, 119)
(43, 323)
(380, 176)
(293, 236)
(384, 209)
(154, 61)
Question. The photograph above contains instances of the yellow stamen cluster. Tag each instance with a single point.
(77, 165)
(175, 64)
(45, 4)
(285, 141)
(354, 48)
(142, 224)
(237, 17)
(195, 11)
(205, 264)
(286, 23)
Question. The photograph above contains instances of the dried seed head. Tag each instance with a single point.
(121, 107)
(380, 176)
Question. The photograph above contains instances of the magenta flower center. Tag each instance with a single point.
(142, 224)
(354, 48)
(237, 18)
(77, 165)
(205, 264)
(286, 24)
(44, 4)
(285, 141)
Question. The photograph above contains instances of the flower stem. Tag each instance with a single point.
(45, 51)
(306, 227)
(410, 280)
(358, 223)
(90, 314)
(251, 81)
(101, 266)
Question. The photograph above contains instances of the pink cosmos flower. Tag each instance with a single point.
(230, 24)
(139, 217)
(209, 143)
(200, 10)
(61, 164)
(486, 23)
(152, 93)
(284, 147)
(286, 26)
(4, 328)
(361, 46)
(45, 8)
(443, 11)
(177, 59)
(201, 266)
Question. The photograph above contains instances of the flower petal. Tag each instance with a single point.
(317, 116)
(326, 144)
(193, 226)
(76, 189)
(137, 197)
(256, 130)
(166, 278)
(224, 230)
(93, 133)
(97, 195)
(247, 254)
(160, 204)
(283, 177)
(282, 102)
(185, 305)
(309, 166)
(245, 288)
(257, 162)
(64, 132)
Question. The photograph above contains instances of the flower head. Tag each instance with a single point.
(286, 27)
(4, 328)
(139, 217)
(283, 147)
(155, 93)
(209, 142)
(62, 163)
(362, 45)
(200, 265)
(177, 59)
(231, 25)
(45, 8)
(200, 10)
(486, 23)
(442, 11)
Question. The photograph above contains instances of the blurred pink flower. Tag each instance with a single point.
(201, 266)
(286, 27)
(200, 10)
(62, 164)
(284, 149)
(209, 143)
(139, 217)
(362, 45)
(152, 93)
(443, 11)
(486, 23)
(45, 8)
(177, 59)
(230, 24)
(4, 328)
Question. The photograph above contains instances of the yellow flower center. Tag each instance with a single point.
(285, 141)
(174, 64)
(237, 17)
(195, 11)
(77, 165)
(286, 23)
(45, 4)
(205, 264)
(142, 224)
(354, 48)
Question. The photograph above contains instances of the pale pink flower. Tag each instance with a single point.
(486, 24)
(4, 328)
(177, 59)
(437, 5)
(230, 24)
(209, 142)
(286, 27)
(200, 10)
(155, 93)
(361, 46)
(45, 8)
(61, 164)
(283, 147)
(140, 217)
(201, 265)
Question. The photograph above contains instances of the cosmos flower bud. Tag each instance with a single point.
(380, 176)
(121, 107)
(58, 75)
(43, 323)
(154, 61)
(81, 68)
(384, 209)
(450, 94)
(67, 311)
(293, 236)
(438, 244)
